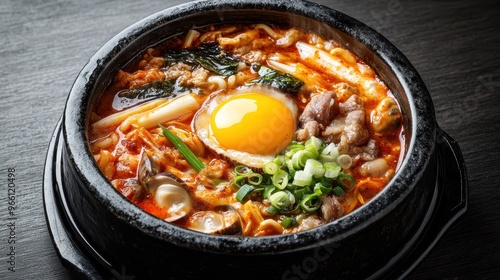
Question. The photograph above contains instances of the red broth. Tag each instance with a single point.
(203, 85)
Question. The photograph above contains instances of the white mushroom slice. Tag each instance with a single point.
(175, 199)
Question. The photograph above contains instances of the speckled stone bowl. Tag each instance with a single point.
(373, 241)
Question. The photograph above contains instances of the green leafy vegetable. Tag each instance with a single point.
(243, 192)
(208, 56)
(184, 150)
(289, 222)
(282, 81)
(158, 89)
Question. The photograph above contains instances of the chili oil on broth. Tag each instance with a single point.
(124, 132)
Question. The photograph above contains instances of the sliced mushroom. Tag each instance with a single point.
(226, 221)
(386, 117)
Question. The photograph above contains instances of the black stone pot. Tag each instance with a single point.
(99, 234)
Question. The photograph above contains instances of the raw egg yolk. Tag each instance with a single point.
(255, 123)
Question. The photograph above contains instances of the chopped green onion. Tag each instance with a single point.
(291, 210)
(289, 165)
(294, 150)
(332, 169)
(310, 203)
(242, 170)
(282, 199)
(320, 189)
(184, 150)
(327, 158)
(345, 161)
(296, 146)
(289, 222)
(315, 142)
(302, 178)
(299, 158)
(268, 190)
(271, 168)
(239, 181)
(331, 150)
(272, 210)
(279, 160)
(315, 168)
(314, 145)
(243, 192)
(346, 181)
(338, 191)
(300, 193)
(280, 179)
(254, 178)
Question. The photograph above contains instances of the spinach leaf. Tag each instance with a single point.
(158, 89)
(282, 81)
(208, 56)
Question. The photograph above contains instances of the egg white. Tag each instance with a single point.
(202, 119)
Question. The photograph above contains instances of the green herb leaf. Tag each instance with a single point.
(282, 81)
(158, 89)
(184, 150)
(208, 56)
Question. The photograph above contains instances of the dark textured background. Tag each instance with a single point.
(454, 45)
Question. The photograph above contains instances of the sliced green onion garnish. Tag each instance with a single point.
(315, 168)
(289, 222)
(346, 181)
(310, 203)
(300, 193)
(332, 169)
(331, 150)
(345, 161)
(271, 168)
(290, 210)
(239, 181)
(281, 200)
(296, 146)
(279, 160)
(280, 179)
(320, 189)
(242, 170)
(243, 192)
(302, 178)
(289, 165)
(268, 190)
(184, 150)
(299, 158)
(314, 142)
(314, 145)
(254, 178)
(272, 210)
(327, 158)
(338, 191)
